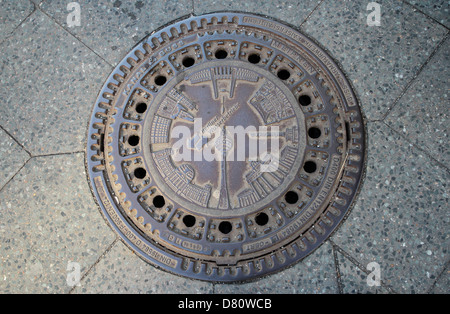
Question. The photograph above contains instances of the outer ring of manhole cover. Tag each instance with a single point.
(266, 195)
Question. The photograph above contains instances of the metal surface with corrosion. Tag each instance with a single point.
(171, 147)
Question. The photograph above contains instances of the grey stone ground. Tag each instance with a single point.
(50, 77)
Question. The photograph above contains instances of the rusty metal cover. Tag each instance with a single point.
(225, 147)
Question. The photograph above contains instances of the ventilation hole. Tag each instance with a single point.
(141, 107)
(188, 62)
(189, 221)
(314, 132)
(102, 143)
(284, 74)
(133, 140)
(254, 58)
(225, 227)
(158, 201)
(347, 131)
(140, 173)
(221, 54)
(262, 219)
(304, 100)
(310, 166)
(160, 80)
(291, 197)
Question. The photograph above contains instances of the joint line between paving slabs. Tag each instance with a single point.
(15, 174)
(424, 151)
(428, 16)
(438, 277)
(411, 82)
(31, 156)
(26, 18)
(17, 142)
(311, 13)
(337, 269)
(59, 154)
(74, 36)
(359, 265)
(108, 249)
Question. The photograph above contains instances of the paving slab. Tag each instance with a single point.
(422, 113)
(442, 285)
(437, 9)
(314, 275)
(49, 219)
(122, 271)
(15, 248)
(401, 217)
(48, 87)
(112, 28)
(12, 157)
(290, 11)
(379, 60)
(355, 281)
(12, 14)
(51, 74)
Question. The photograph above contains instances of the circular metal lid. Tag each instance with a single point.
(225, 147)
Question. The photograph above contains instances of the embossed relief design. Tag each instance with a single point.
(221, 96)
(226, 147)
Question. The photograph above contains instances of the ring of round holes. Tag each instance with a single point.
(236, 217)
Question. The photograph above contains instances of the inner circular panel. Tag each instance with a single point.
(213, 174)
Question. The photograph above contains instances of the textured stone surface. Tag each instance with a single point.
(12, 14)
(380, 61)
(443, 284)
(51, 75)
(437, 9)
(121, 271)
(112, 27)
(49, 219)
(401, 217)
(422, 114)
(354, 280)
(12, 157)
(315, 274)
(49, 84)
(15, 248)
(290, 11)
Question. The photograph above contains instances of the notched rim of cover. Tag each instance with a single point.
(271, 260)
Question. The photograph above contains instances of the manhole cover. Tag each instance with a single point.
(226, 147)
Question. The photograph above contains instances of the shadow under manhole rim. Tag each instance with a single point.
(190, 196)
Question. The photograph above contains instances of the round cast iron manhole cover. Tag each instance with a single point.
(225, 147)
